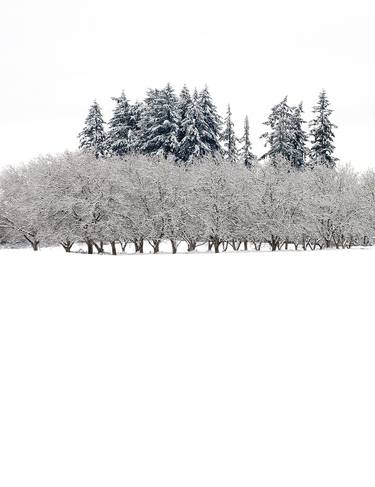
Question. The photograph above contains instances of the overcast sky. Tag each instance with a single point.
(58, 56)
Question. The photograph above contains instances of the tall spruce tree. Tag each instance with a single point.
(280, 136)
(135, 125)
(93, 138)
(229, 138)
(160, 123)
(195, 132)
(184, 104)
(246, 155)
(118, 139)
(321, 131)
(212, 120)
(299, 137)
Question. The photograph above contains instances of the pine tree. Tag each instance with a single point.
(279, 138)
(184, 104)
(212, 121)
(160, 122)
(246, 154)
(135, 124)
(321, 131)
(229, 138)
(194, 130)
(118, 139)
(93, 137)
(299, 137)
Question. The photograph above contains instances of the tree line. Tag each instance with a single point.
(78, 197)
(187, 128)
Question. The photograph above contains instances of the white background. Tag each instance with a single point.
(56, 57)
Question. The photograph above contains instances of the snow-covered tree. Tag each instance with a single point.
(299, 137)
(119, 140)
(93, 138)
(246, 154)
(279, 137)
(135, 124)
(194, 131)
(212, 121)
(160, 123)
(322, 135)
(229, 138)
(184, 103)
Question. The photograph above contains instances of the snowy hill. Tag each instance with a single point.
(200, 370)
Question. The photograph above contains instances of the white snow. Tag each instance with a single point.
(237, 369)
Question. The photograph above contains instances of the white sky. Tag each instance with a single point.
(57, 57)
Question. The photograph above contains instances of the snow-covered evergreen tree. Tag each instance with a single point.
(118, 138)
(321, 130)
(135, 124)
(212, 121)
(194, 131)
(160, 122)
(93, 137)
(299, 137)
(229, 138)
(184, 103)
(279, 139)
(246, 155)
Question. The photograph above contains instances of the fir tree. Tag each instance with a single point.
(93, 137)
(135, 124)
(160, 122)
(321, 130)
(246, 154)
(299, 137)
(195, 131)
(212, 120)
(119, 142)
(279, 138)
(229, 138)
(184, 104)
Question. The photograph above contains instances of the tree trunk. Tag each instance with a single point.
(138, 244)
(99, 247)
(210, 245)
(67, 245)
(174, 246)
(156, 245)
(90, 247)
(245, 244)
(192, 245)
(113, 247)
(216, 244)
(274, 243)
(35, 245)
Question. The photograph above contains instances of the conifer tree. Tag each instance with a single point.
(194, 130)
(184, 104)
(299, 137)
(93, 138)
(135, 125)
(160, 122)
(247, 157)
(279, 138)
(229, 138)
(118, 139)
(212, 120)
(321, 131)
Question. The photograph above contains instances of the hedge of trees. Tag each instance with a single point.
(77, 197)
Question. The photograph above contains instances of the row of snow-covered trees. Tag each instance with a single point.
(187, 128)
(76, 197)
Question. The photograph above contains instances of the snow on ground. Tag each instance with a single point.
(237, 369)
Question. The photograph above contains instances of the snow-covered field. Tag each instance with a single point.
(236, 370)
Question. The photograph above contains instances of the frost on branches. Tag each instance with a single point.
(76, 197)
